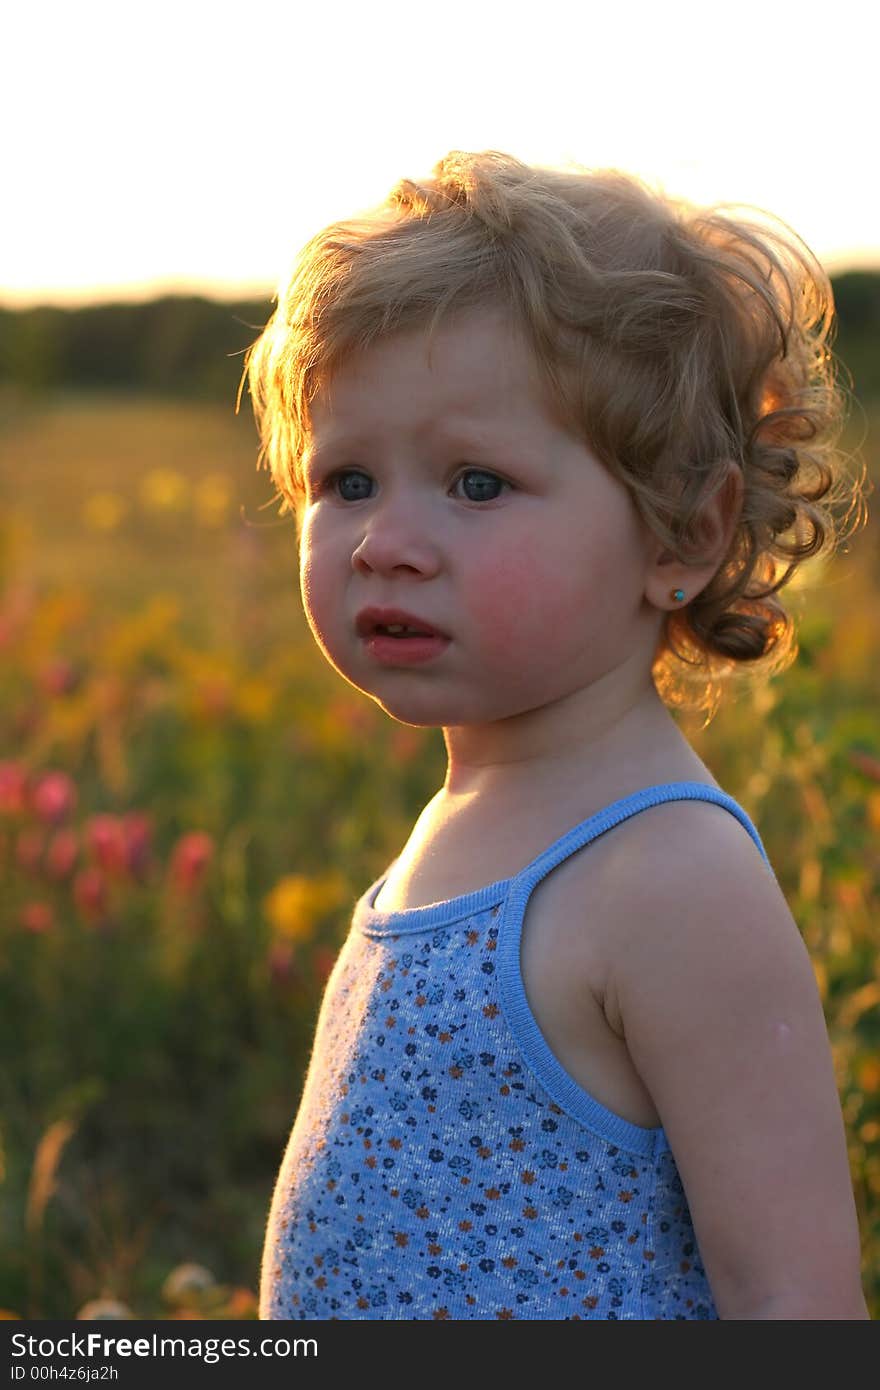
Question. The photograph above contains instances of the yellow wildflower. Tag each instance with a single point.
(255, 699)
(163, 490)
(868, 1076)
(103, 511)
(212, 499)
(297, 902)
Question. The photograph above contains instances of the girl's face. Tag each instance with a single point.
(449, 490)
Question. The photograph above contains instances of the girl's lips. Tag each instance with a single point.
(404, 651)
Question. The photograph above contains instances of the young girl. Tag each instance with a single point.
(543, 434)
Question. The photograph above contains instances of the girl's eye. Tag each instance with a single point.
(330, 484)
(482, 492)
(485, 478)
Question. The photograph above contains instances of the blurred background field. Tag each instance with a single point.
(191, 801)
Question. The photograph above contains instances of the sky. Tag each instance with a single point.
(184, 146)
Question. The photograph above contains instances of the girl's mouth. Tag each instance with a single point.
(404, 649)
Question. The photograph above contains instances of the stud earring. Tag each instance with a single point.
(677, 594)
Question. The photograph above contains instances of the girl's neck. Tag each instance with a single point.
(572, 745)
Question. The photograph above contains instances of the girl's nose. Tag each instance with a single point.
(395, 540)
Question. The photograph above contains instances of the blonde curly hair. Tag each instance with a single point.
(677, 342)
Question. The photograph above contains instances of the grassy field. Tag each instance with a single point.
(190, 803)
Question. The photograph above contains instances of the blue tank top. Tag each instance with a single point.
(443, 1163)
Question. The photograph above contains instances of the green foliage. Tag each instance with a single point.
(857, 297)
(185, 346)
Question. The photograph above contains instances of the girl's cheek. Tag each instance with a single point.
(514, 597)
(319, 598)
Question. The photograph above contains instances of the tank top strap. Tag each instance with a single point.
(622, 810)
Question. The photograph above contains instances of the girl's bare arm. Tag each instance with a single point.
(718, 1001)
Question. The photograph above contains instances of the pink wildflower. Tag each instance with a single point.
(13, 788)
(90, 893)
(137, 832)
(105, 839)
(53, 797)
(190, 858)
(37, 917)
(59, 677)
(866, 763)
(62, 853)
(280, 962)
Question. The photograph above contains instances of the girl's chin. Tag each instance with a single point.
(407, 697)
(417, 714)
(406, 708)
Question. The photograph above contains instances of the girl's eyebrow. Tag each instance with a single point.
(467, 438)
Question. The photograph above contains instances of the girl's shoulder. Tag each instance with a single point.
(694, 841)
(683, 852)
(688, 880)
(686, 841)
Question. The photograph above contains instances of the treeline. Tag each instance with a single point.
(192, 346)
(175, 345)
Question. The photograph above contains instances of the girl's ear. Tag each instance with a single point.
(720, 517)
(714, 535)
